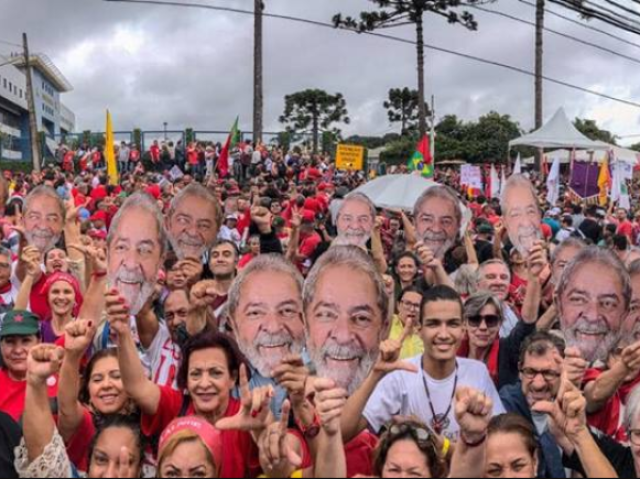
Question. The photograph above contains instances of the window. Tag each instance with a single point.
(5, 83)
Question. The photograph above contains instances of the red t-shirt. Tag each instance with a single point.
(192, 155)
(309, 244)
(99, 193)
(134, 156)
(610, 418)
(13, 393)
(359, 454)
(38, 300)
(155, 153)
(245, 260)
(626, 229)
(240, 456)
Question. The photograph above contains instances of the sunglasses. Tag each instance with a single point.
(420, 434)
(491, 320)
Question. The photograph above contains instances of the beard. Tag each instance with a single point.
(438, 243)
(133, 287)
(596, 349)
(44, 240)
(263, 362)
(525, 239)
(353, 237)
(347, 377)
(186, 246)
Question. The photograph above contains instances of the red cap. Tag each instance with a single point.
(154, 190)
(98, 234)
(99, 216)
(308, 216)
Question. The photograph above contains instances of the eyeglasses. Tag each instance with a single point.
(419, 433)
(491, 320)
(408, 305)
(547, 374)
(634, 436)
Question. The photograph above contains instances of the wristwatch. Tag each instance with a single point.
(313, 430)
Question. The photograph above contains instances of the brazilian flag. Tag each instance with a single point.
(421, 160)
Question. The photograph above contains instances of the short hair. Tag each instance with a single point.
(478, 301)
(492, 262)
(436, 463)
(44, 191)
(539, 344)
(144, 202)
(595, 254)
(571, 242)
(269, 263)
(634, 268)
(196, 189)
(210, 339)
(219, 243)
(516, 181)
(83, 396)
(442, 192)
(632, 410)
(361, 198)
(353, 258)
(437, 294)
(516, 424)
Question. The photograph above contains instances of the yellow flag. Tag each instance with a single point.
(110, 154)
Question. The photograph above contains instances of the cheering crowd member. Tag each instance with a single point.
(141, 338)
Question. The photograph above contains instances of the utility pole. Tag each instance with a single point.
(539, 100)
(433, 128)
(33, 122)
(258, 94)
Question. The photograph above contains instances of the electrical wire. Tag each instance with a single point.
(388, 37)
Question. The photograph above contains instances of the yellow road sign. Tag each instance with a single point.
(350, 157)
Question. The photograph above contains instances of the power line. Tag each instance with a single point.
(582, 24)
(5, 42)
(613, 20)
(388, 37)
(555, 32)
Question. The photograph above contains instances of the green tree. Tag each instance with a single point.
(403, 107)
(137, 138)
(635, 147)
(396, 13)
(591, 130)
(315, 112)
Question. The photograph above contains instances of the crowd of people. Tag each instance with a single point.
(277, 323)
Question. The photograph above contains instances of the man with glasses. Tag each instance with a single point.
(408, 313)
(540, 376)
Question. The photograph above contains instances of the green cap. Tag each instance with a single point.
(20, 323)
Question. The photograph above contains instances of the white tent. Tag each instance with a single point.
(620, 155)
(559, 132)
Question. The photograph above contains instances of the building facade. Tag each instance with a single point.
(53, 117)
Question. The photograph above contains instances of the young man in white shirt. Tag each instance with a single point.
(425, 386)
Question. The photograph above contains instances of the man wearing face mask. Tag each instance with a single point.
(522, 215)
(355, 221)
(540, 376)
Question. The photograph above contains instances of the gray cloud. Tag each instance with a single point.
(188, 67)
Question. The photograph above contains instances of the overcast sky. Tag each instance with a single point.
(192, 67)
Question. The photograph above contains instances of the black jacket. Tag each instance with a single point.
(10, 435)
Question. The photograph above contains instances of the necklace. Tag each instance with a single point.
(440, 421)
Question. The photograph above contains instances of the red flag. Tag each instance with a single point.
(232, 141)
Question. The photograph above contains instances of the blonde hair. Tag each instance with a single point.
(183, 437)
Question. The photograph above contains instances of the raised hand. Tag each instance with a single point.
(78, 337)
(262, 217)
(73, 211)
(296, 218)
(96, 256)
(204, 294)
(255, 413)
(125, 466)
(192, 269)
(473, 412)
(631, 358)
(427, 258)
(330, 402)
(118, 312)
(292, 375)
(43, 362)
(574, 366)
(277, 456)
(537, 260)
(31, 256)
(379, 224)
(567, 413)
(390, 351)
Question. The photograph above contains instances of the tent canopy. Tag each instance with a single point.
(559, 132)
(617, 155)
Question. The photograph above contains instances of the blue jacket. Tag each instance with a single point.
(550, 455)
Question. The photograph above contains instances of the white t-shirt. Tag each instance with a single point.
(510, 322)
(164, 356)
(403, 394)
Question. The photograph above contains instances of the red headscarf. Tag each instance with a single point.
(72, 281)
